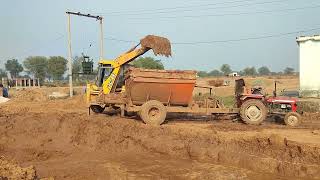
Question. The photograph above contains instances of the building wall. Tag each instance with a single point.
(310, 67)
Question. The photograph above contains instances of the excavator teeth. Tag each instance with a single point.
(159, 45)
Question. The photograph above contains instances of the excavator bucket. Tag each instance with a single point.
(159, 45)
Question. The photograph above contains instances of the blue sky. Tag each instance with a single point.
(36, 27)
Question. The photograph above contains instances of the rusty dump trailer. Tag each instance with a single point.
(154, 93)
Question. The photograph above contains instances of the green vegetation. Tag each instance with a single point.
(148, 63)
(228, 101)
(288, 71)
(215, 73)
(249, 71)
(264, 70)
(226, 69)
(3, 73)
(14, 67)
(57, 66)
(37, 65)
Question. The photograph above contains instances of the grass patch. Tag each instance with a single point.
(228, 101)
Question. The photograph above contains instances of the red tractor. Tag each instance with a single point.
(255, 106)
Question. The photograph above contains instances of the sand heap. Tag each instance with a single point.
(10, 170)
(36, 94)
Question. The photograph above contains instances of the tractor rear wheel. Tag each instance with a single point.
(292, 119)
(153, 113)
(253, 112)
(97, 108)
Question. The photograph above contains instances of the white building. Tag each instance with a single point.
(309, 65)
(233, 74)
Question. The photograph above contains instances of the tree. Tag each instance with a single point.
(148, 63)
(215, 73)
(288, 71)
(76, 64)
(77, 67)
(226, 69)
(57, 66)
(37, 65)
(264, 70)
(3, 73)
(250, 71)
(14, 67)
(202, 74)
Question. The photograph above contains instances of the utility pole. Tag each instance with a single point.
(98, 18)
(70, 56)
(101, 38)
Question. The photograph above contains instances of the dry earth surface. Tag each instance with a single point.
(58, 139)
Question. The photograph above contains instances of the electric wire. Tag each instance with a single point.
(230, 14)
(226, 40)
(191, 10)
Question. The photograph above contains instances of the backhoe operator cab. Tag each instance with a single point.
(104, 73)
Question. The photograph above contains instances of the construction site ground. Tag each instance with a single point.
(62, 141)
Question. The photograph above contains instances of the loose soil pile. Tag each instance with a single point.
(31, 94)
(11, 170)
(216, 82)
(61, 140)
(159, 45)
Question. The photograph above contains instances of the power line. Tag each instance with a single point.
(155, 11)
(227, 40)
(233, 14)
(177, 7)
(164, 11)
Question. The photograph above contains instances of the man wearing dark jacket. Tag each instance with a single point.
(4, 91)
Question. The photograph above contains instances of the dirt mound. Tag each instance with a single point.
(11, 170)
(216, 82)
(309, 105)
(159, 45)
(32, 94)
(73, 131)
(66, 132)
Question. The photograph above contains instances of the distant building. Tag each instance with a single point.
(309, 65)
(233, 74)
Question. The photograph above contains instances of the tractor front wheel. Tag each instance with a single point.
(292, 119)
(253, 112)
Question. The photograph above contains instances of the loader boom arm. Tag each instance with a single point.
(109, 85)
(129, 56)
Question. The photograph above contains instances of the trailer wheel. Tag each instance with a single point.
(153, 113)
(292, 119)
(97, 108)
(253, 112)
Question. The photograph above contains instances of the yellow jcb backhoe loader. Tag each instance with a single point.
(110, 77)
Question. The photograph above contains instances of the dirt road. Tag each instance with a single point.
(62, 141)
